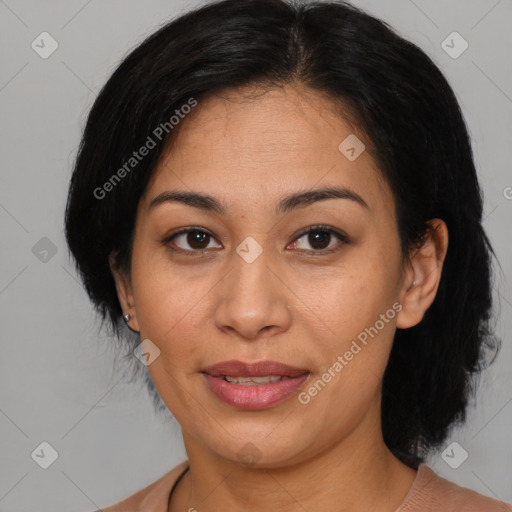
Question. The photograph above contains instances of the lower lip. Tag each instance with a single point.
(258, 396)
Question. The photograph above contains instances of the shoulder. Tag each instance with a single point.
(153, 497)
(436, 494)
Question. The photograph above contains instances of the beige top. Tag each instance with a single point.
(428, 493)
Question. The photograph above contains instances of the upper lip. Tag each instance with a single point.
(259, 369)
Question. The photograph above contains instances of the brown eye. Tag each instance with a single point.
(194, 240)
(320, 240)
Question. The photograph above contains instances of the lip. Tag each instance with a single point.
(260, 369)
(259, 396)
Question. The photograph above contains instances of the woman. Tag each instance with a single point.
(279, 200)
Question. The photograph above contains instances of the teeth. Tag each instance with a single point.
(254, 381)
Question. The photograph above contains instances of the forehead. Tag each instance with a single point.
(250, 144)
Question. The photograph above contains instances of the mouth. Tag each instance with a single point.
(253, 385)
(254, 381)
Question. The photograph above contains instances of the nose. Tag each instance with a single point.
(253, 299)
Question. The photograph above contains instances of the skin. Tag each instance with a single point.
(292, 305)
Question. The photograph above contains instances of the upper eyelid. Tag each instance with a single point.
(321, 227)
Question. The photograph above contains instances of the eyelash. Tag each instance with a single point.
(342, 238)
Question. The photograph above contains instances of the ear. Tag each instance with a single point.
(423, 275)
(124, 292)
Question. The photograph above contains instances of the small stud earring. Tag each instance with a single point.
(127, 318)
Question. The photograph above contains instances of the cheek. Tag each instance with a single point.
(168, 302)
(353, 299)
(348, 382)
(360, 310)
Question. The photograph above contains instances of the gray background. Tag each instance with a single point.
(57, 375)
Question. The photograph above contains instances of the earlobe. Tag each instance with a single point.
(124, 294)
(423, 275)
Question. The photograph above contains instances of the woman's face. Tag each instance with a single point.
(247, 285)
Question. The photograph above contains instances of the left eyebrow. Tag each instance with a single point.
(304, 199)
(285, 205)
